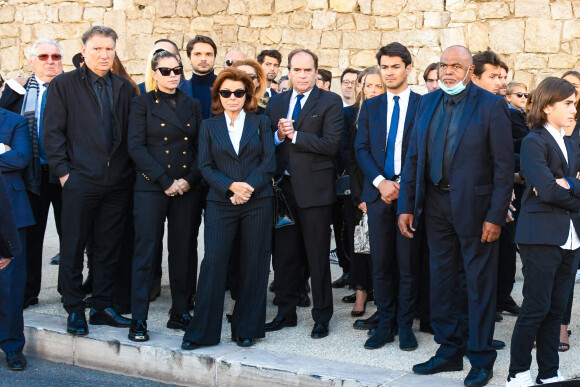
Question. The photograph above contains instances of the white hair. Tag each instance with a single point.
(44, 41)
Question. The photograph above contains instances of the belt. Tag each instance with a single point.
(442, 187)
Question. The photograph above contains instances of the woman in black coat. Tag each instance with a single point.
(162, 140)
(237, 160)
(547, 231)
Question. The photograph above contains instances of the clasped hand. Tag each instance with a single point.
(242, 192)
(389, 191)
(285, 129)
(4, 262)
(180, 186)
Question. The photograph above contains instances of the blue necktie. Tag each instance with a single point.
(41, 114)
(390, 156)
(297, 108)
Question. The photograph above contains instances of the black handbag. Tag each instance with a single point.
(343, 185)
(282, 214)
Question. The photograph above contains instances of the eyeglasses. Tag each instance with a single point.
(166, 71)
(520, 95)
(228, 93)
(253, 76)
(44, 57)
(348, 83)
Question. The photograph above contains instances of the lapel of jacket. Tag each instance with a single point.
(571, 149)
(223, 135)
(411, 108)
(552, 142)
(250, 129)
(310, 103)
(471, 102)
(162, 110)
(425, 117)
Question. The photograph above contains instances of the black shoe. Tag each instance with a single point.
(508, 307)
(29, 301)
(497, 344)
(342, 281)
(304, 300)
(108, 316)
(189, 345)
(272, 287)
(179, 321)
(320, 330)
(478, 377)
(55, 260)
(426, 327)
(498, 317)
(155, 290)
(379, 338)
(438, 364)
(368, 323)
(138, 331)
(407, 339)
(278, 323)
(350, 299)
(87, 286)
(16, 360)
(76, 324)
(372, 331)
(244, 342)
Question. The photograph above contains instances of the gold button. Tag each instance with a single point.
(162, 124)
(167, 151)
(165, 138)
(188, 124)
(185, 138)
(184, 153)
(156, 101)
(169, 166)
(185, 166)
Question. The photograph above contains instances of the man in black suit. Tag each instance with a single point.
(42, 187)
(384, 128)
(307, 126)
(459, 174)
(85, 124)
(270, 61)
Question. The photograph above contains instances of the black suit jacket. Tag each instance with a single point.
(9, 241)
(163, 142)
(319, 128)
(11, 100)
(545, 219)
(519, 131)
(221, 166)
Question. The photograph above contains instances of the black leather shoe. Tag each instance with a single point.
(438, 364)
(138, 331)
(379, 338)
(350, 299)
(155, 290)
(342, 281)
(278, 323)
(304, 300)
(407, 339)
(498, 317)
(87, 286)
(29, 301)
(427, 328)
(478, 377)
(371, 331)
(497, 344)
(189, 345)
(244, 342)
(368, 323)
(16, 360)
(508, 307)
(108, 316)
(55, 260)
(320, 330)
(76, 324)
(179, 321)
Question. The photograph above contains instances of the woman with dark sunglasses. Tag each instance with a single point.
(162, 140)
(236, 159)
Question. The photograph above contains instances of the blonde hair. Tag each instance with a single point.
(512, 85)
(150, 83)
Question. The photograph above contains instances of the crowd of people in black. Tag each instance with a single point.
(452, 184)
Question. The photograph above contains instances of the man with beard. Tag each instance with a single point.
(270, 61)
(201, 52)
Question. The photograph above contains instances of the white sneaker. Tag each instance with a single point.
(523, 379)
(559, 378)
(578, 275)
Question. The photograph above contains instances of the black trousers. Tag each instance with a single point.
(361, 277)
(85, 205)
(395, 266)
(568, 313)
(50, 193)
(310, 236)
(253, 220)
(339, 227)
(548, 276)
(151, 208)
(424, 301)
(449, 250)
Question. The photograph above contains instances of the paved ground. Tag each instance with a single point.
(343, 344)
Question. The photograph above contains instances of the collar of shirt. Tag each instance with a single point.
(510, 106)
(303, 100)
(94, 77)
(268, 92)
(236, 128)
(403, 96)
(559, 137)
(457, 98)
(41, 84)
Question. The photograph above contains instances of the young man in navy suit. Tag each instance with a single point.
(384, 128)
(459, 175)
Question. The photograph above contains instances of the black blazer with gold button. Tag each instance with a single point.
(163, 142)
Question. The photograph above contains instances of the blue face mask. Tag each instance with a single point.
(458, 88)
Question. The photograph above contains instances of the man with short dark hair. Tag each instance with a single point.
(270, 61)
(347, 85)
(85, 122)
(504, 70)
(201, 52)
(430, 77)
(487, 71)
(307, 124)
(324, 79)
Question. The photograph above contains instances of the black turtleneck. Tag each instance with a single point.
(171, 99)
(201, 89)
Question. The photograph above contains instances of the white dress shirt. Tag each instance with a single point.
(293, 100)
(403, 104)
(572, 243)
(235, 129)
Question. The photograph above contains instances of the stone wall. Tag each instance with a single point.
(537, 38)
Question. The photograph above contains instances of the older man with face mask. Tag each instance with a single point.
(43, 187)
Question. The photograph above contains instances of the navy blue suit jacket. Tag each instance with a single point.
(221, 166)
(9, 241)
(11, 100)
(14, 133)
(545, 219)
(482, 163)
(371, 140)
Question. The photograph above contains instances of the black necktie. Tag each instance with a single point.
(106, 111)
(436, 167)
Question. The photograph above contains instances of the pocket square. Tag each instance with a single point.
(314, 115)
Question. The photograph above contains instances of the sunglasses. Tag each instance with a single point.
(520, 95)
(253, 76)
(228, 93)
(44, 57)
(166, 71)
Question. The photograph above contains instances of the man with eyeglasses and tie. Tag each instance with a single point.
(85, 137)
(43, 188)
(347, 85)
(307, 124)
